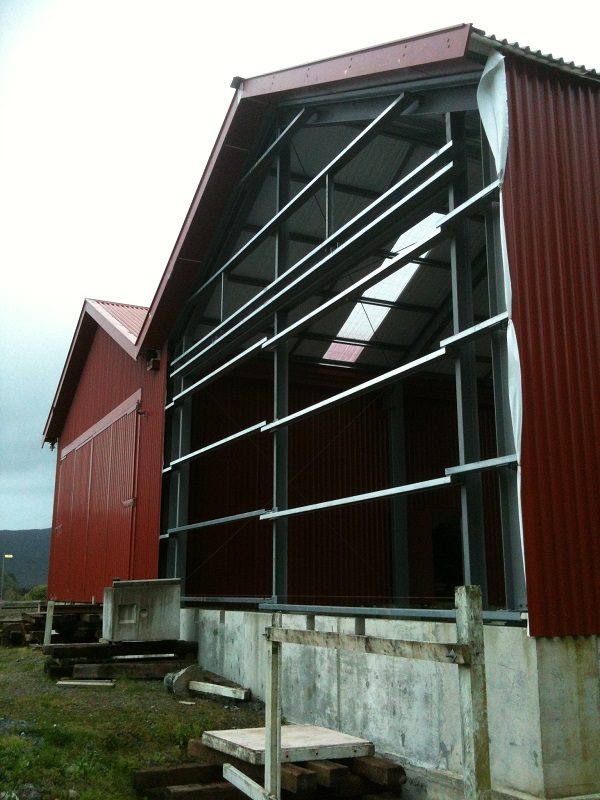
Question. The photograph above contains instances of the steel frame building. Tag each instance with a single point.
(361, 229)
(379, 332)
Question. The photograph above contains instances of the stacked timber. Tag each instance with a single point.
(368, 777)
(109, 660)
(22, 624)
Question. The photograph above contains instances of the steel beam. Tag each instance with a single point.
(379, 382)
(210, 523)
(408, 255)
(513, 617)
(382, 494)
(280, 143)
(177, 462)
(400, 104)
(303, 278)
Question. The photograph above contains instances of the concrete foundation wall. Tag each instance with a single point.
(543, 698)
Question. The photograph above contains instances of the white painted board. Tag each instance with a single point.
(298, 743)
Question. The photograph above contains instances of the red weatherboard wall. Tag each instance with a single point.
(553, 234)
(97, 534)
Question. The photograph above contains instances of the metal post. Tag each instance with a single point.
(280, 396)
(514, 573)
(399, 542)
(273, 716)
(179, 479)
(473, 695)
(472, 524)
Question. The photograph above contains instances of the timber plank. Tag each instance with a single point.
(142, 670)
(111, 649)
(86, 684)
(327, 772)
(379, 770)
(298, 743)
(234, 692)
(294, 779)
(175, 774)
(204, 791)
(350, 785)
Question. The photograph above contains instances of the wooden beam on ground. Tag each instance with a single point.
(379, 770)
(204, 791)
(103, 650)
(234, 692)
(350, 785)
(86, 684)
(140, 670)
(175, 774)
(294, 779)
(328, 773)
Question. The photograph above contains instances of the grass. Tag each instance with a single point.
(85, 743)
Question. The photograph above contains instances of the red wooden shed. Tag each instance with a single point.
(107, 423)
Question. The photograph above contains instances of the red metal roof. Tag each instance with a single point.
(121, 322)
(126, 318)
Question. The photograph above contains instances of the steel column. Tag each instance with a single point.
(472, 520)
(514, 569)
(280, 396)
(179, 483)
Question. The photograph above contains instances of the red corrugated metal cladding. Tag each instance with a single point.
(341, 556)
(107, 496)
(552, 192)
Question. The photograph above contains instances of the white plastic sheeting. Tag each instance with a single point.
(492, 101)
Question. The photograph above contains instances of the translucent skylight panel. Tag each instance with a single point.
(365, 319)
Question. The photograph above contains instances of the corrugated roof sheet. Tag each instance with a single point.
(129, 318)
(480, 37)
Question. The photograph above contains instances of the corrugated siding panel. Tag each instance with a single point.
(553, 234)
(79, 522)
(121, 499)
(125, 465)
(58, 573)
(96, 567)
(333, 557)
(339, 556)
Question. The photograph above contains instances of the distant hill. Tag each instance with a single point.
(31, 551)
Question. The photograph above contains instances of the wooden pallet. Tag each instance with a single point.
(366, 777)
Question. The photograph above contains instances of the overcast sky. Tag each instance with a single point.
(108, 111)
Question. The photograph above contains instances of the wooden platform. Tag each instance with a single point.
(298, 743)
